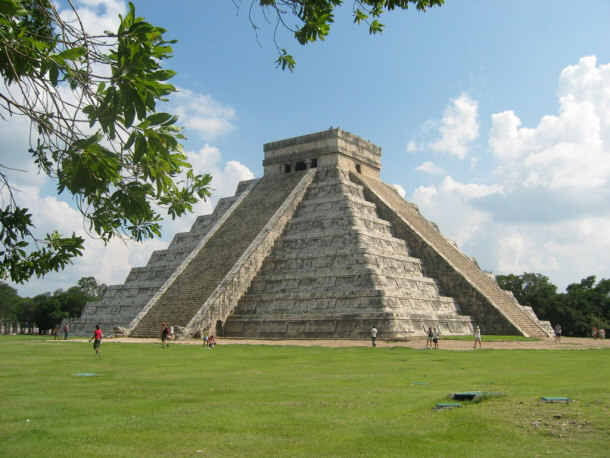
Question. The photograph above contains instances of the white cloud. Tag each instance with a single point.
(449, 205)
(459, 127)
(430, 168)
(455, 132)
(571, 150)
(547, 211)
(400, 190)
(201, 113)
(97, 16)
(412, 146)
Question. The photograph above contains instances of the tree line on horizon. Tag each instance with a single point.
(48, 309)
(583, 306)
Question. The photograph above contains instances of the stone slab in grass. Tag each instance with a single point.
(466, 395)
(555, 399)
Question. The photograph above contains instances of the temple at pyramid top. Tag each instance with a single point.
(331, 148)
(318, 247)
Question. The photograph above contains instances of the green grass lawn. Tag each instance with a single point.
(252, 400)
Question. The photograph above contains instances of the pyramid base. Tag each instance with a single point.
(339, 327)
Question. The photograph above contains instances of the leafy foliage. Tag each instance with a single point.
(20, 265)
(583, 305)
(9, 303)
(90, 287)
(317, 16)
(96, 130)
(47, 310)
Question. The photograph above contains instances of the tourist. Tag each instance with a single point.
(429, 340)
(477, 336)
(97, 339)
(602, 333)
(66, 332)
(211, 342)
(435, 334)
(172, 336)
(374, 336)
(594, 332)
(204, 333)
(56, 333)
(557, 332)
(164, 334)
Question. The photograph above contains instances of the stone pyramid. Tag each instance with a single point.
(319, 247)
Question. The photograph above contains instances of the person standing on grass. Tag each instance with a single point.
(557, 332)
(374, 336)
(66, 332)
(435, 334)
(429, 340)
(477, 337)
(97, 339)
(164, 334)
(204, 334)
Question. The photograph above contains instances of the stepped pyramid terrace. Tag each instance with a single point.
(319, 247)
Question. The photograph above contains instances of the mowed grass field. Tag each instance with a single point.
(255, 400)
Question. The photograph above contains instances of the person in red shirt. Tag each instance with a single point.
(164, 335)
(97, 339)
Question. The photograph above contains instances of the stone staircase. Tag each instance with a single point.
(336, 271)
(184, 294)
(497, 297)
(121, 304)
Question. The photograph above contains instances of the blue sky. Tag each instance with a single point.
(494, 117)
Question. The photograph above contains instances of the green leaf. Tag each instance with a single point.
(54, 73)
(12, 8)
(286, 61)
(73, 53)
(162, 75)
(159, 118)
(141, 147)
(129, 113)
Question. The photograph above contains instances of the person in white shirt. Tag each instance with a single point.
(435, 334)
(477, 337)
(374, 336)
